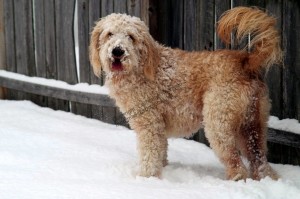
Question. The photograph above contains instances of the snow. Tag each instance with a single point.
(290, 125)
(82, 87)
(54, 154)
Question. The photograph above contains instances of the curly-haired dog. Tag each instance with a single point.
(166, 92)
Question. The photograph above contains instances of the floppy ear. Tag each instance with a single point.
(95, 48)
(150, 56)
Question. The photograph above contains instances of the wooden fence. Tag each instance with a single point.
(41, 36)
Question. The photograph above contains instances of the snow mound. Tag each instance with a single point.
(54, 154)
(81, 87)
(289, 125)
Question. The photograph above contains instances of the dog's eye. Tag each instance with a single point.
(109, 34)
(131, 37)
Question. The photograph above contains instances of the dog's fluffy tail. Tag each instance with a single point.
(264, 39)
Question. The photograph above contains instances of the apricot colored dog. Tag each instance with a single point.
(166, 92)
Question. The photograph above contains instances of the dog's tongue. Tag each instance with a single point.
(117, 65)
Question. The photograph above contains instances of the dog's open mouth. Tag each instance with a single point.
(117, 65)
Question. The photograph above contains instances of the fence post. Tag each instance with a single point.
(2, 45)
(144, 11)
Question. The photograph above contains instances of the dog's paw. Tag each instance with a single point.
(263, 171)
(236, 174)
(149, 172)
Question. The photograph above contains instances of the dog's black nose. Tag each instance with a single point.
(117, 52)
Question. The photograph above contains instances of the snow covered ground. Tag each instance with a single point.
(53, 154)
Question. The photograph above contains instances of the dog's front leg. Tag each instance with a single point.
(152, 148)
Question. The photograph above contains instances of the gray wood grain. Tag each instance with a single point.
(9, 20)
(59, 93)
(220, 7)
(94, 16)
(24, 41)
(134, 8)
(290, 43)
(2, 46)
(120, 6)
(283, 137)
(10, 44)
(107, 7)
(65, 44)
(50, 47)
(25, 58)
(108, 113)
(82, 8)
(206, 25)
(274, 75)
(189, 19)
(39, 41)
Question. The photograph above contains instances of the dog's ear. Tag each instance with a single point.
(95, 48)
(150, 56)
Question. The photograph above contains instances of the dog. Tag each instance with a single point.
(165, 92)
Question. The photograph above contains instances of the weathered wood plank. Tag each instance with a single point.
(59, 93)
(145, 11)
(220, 7)
(278, 153)
(25, 58)
(206, 26)
(283, 137)
(50, 47)
(94, 15)
(155, 27)
(10, 45)
(65, 44)
(166, 22)
(176, 24)
(134, 8)
(50, 39)
(189, 26)
(107, 7)
(39, 44)
(290, 42)
(2, 45)
(10, 35)
(120, 6)
(2, 37)
(274, 75)
(291, 72)
(82, 8)
(39, 35)
(24, 40)
(108, 113)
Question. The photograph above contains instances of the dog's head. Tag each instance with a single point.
(122, 44)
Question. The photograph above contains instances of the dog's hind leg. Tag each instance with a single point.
(222, 114)
(252, 138)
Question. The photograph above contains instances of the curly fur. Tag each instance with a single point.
(166, 92)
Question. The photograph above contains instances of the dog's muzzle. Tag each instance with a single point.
(117, 54)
